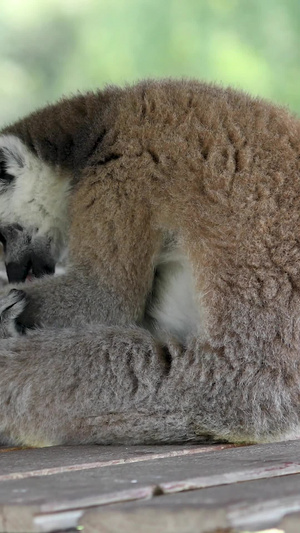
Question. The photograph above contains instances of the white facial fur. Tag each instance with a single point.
(37, 198)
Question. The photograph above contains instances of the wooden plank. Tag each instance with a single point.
(30, 462)
(151, 520)
(53, 460)
(56, 496)
(251, 506)
(290, 524)
(69, 490)
(18, 519)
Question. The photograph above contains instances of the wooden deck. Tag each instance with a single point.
(184, 489)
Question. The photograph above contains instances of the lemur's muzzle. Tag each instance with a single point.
(25, 253)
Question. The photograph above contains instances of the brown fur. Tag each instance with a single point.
(221, 172)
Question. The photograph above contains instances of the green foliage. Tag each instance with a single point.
(54, 47)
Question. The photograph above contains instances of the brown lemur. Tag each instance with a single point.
(178, 318)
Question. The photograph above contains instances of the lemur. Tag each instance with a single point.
(178, 316)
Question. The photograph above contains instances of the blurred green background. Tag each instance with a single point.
(54, 47)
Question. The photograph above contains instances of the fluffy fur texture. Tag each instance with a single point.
(180, 203)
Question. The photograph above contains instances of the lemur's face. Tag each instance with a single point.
(33, 211)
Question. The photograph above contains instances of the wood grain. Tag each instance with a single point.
(191, 488)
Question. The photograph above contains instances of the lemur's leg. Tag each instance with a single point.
(113, 243)
(241, 377)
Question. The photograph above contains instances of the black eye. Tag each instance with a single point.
(5, 177)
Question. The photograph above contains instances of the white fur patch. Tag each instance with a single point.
(174, 310)
(37, 198)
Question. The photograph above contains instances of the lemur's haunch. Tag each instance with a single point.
(178, 317)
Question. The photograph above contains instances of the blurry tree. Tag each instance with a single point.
(53, 47)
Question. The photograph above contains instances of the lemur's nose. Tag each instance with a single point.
(17, 272)
(25, 253)
(16, 246)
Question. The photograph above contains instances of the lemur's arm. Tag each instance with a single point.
(67, 300)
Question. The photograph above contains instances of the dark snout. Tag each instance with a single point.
(25, 253)
(18, 272)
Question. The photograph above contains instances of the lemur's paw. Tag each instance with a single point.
(11, 307)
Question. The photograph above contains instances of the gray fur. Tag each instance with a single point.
(121, 175)
(112, 385)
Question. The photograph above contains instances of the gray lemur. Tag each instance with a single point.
(178, 317)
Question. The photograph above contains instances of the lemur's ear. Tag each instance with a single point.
(12, 154)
